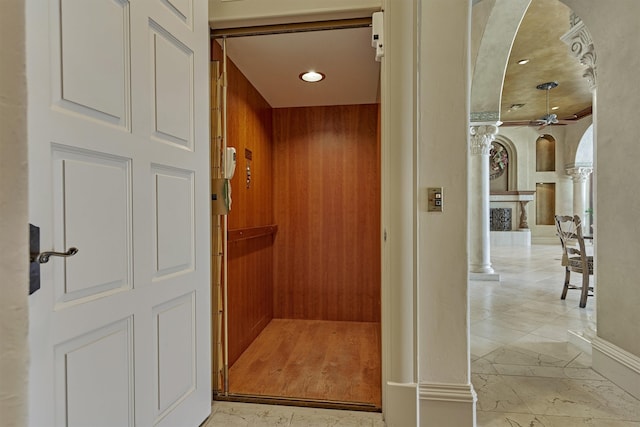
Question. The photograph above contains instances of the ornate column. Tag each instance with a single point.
(579, 175)
(482, 135)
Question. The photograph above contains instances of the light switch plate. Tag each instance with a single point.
(436, 199)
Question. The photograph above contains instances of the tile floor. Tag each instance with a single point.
(526, 368)
(232, 414)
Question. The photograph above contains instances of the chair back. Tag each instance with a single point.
(569, 230)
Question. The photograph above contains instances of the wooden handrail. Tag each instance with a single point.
(251, 232)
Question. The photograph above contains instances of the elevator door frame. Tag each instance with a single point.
(220, 368)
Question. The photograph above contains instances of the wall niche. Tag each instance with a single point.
(545, 203)
(545, 154)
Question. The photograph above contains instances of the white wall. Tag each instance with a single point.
(14, 354)
(398, 199)
(573, 136)
(617, 179)
(446, 394)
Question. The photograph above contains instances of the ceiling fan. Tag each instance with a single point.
(549, 118)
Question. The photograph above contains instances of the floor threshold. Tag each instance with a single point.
(291, 401)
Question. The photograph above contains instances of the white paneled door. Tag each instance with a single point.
(119, 168)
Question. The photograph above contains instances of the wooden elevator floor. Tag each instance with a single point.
(312, 359)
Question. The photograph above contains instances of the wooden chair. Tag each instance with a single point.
(574, 255)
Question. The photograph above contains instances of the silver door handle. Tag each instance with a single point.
(43, 257)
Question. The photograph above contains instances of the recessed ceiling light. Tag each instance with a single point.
(311, 76)
(555, 108)
(523, 61)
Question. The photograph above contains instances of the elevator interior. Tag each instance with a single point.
(299, 290)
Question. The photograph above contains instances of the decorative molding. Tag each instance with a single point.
(578, 165)
(579, 174)
(481, 138)
(485, 117)
(463, 393)
(617, 365)
(616, 353)
(581, 46)
(574, 20)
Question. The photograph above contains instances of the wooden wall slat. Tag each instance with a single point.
(250, 291)
(250, 262)
(326, 177)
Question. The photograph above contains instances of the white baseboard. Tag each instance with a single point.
(618, 365)
(447, 405)
(400, 407)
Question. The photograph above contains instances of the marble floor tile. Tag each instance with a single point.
(495, 394)
(477, 314)
(520, 323)
(321, 418)
(510, 419)
(482, 346)
(582, 361)
(546, 371)
(574, 398)
(495, 330)
(554, 421)
(561, 350)
(510, 355)
(483, 366)
(238, 414)
(553, 332)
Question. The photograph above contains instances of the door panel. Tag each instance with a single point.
(173, 87)
(92, 189)
(174, 224)
(91, 58)
(82, 390)
(176, 352)
(119, 168)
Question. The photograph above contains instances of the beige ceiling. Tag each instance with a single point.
(538, 40)
(273, 62)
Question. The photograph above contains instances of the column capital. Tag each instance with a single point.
(581, 46)
(579, 174)
(482, 135)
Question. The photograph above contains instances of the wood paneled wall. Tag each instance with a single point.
(250, 261)
(326, 177)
